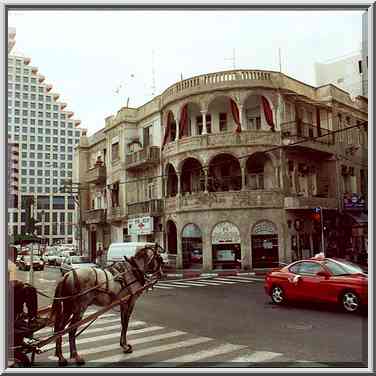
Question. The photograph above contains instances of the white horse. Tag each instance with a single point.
(79, 289)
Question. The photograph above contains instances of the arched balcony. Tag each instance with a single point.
(171, 181)
(224, 174)
(219, 120)
(192, 176)
(260, 173)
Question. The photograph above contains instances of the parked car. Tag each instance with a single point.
(75, 262)
(320, 279)
(117, 251)
(196, 256)
(62, 254)
(25, 263)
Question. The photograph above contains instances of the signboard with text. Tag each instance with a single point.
(353, 201)
(140, 226)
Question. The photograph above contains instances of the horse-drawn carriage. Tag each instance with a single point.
(117, 285)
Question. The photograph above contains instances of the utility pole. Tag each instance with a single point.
(74, 190)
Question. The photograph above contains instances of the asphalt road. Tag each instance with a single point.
(224, 321)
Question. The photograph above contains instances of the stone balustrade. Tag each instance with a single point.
(97, 175)
(150, 207)
(300, 202)
(202, 201)
(95, 216)
(244, 138)
(140, 158)
(214, 80)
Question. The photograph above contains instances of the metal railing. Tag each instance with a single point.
(146, 207)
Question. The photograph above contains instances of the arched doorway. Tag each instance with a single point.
(265, 248)
(226, 251)
(171, 242)
(192, 246)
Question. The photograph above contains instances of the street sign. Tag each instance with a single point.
(317, 210)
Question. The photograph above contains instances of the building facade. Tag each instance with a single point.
(346, 72)
(365, 53)
(235, 169)
(46, 134)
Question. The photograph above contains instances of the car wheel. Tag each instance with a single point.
(350, 301)
(278, 295)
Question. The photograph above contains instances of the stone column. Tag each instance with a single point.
(179, 184)
(243, 178)
(245, 248)
(207, 254)
(204, 130)
(179, 251)
(241, 116)
(206, 170)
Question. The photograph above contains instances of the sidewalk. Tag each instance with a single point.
(192, 273)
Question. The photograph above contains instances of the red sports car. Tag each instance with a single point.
(320, 279)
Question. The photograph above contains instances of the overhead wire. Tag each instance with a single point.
(280, 147)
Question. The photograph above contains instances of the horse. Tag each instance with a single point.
(78, 289)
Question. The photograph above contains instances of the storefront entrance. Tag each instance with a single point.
(192, 247)
(265, 249)
(226, 251)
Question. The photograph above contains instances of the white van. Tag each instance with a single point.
(117, 251)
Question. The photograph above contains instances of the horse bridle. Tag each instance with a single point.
(153, 256)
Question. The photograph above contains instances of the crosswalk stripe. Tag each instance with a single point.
(222, 281)
(172, 285)
(136, 341)
(189, 284)
(50, 329)
(163, 287)
(255, 357)
(233, 280)
(194, 357)
(109, 336)
(248, 278)
(154, 350)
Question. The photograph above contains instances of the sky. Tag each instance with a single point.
(87, 55)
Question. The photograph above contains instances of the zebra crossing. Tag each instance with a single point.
(158, 346)
(205, 282)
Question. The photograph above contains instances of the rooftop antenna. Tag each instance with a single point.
(153, 89)
(233, 59)
(280, 61)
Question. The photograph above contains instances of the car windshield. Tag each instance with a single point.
(80, 259)
(342, 267)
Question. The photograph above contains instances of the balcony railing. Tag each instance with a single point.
(151, 207)
(301, 202)
(301, 130)
(96, 175)
(115, 214)
(245, 137)
(202, 201)
(95, 216)
(142, 158)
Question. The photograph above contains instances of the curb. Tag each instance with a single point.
(192, 274)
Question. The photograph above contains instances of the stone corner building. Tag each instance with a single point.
(239, 166)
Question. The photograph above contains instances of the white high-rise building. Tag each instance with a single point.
(345, 72)
(46, 134)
